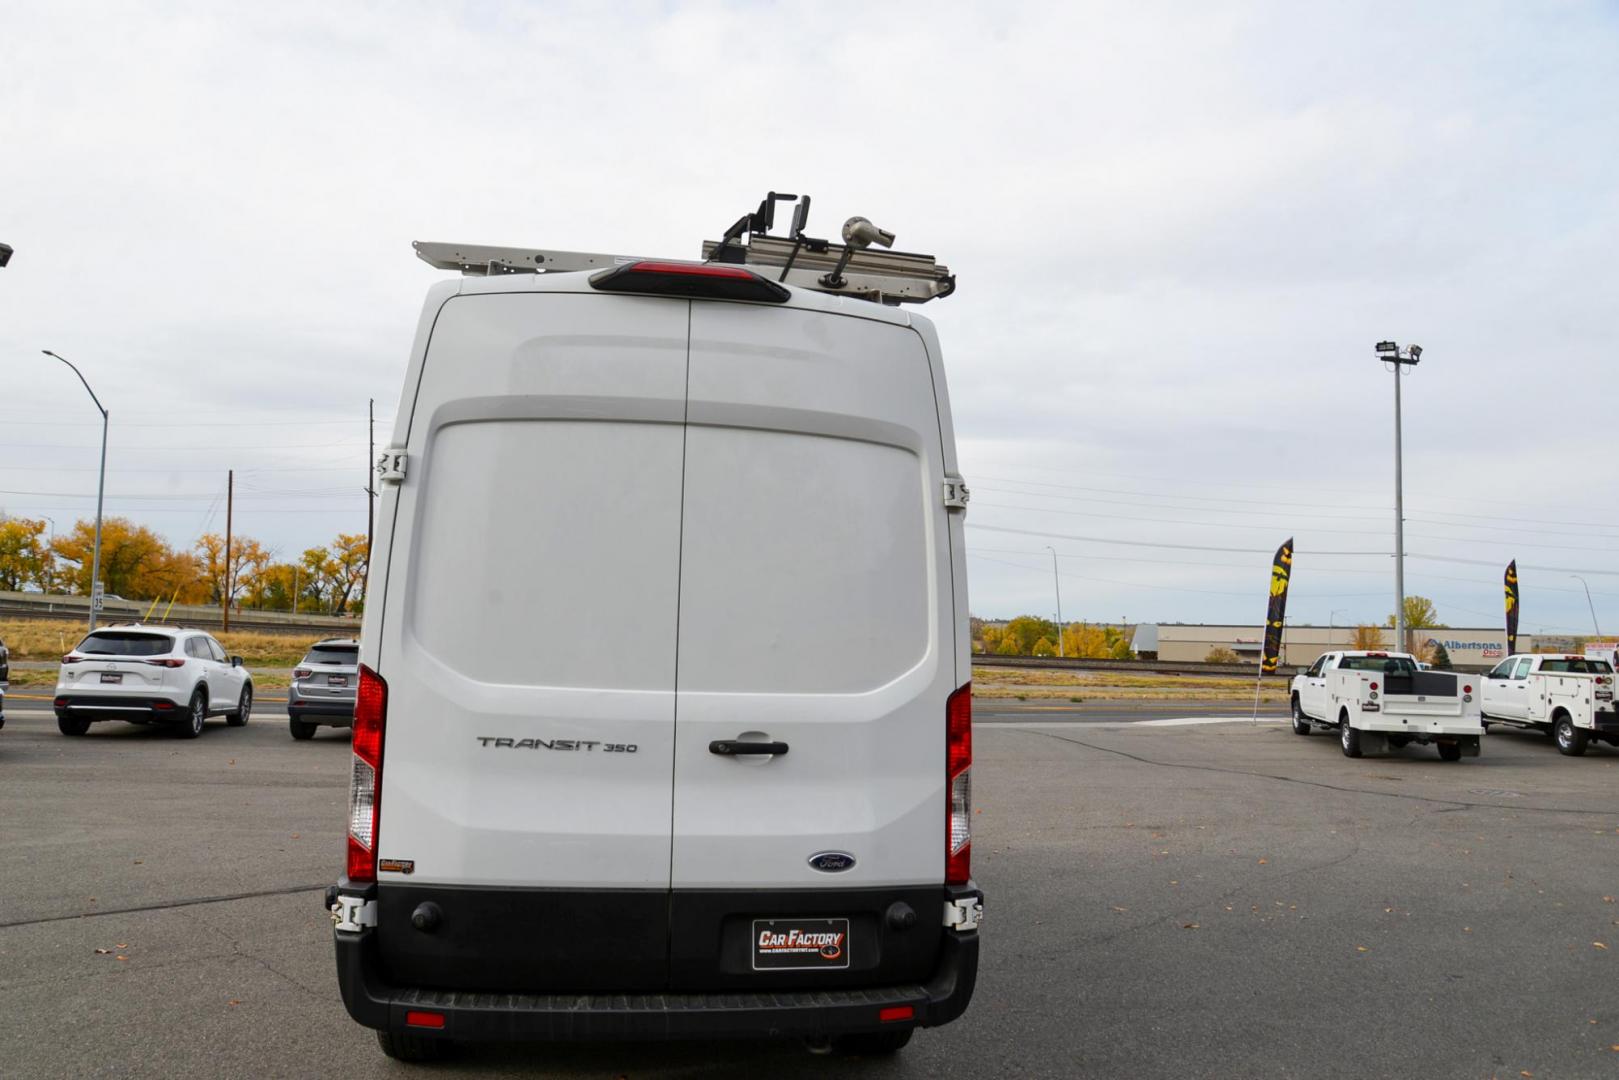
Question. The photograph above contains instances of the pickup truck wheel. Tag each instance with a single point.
(1570, 739)
(301, 729)
(1450, 751)
(871, 1043)
(244, 708)
(72, 725)
(413, 1048)
(1348, 737)
(196, 716)
(1301, 725)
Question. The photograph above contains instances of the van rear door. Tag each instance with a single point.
(528, 646)
(817, 611)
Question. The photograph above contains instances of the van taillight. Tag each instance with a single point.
(958, 848)
(365, 779)
(703, 281)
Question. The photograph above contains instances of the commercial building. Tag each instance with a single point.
(1469, 647)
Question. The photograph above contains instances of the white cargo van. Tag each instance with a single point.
(663, 723)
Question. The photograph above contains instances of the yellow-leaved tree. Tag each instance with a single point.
(248, 558)
(25, 559)
(136, 563)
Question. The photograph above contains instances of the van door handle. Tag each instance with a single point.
(731, 747)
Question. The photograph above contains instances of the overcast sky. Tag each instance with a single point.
(1179, 229)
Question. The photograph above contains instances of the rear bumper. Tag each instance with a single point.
(119, 707)
(333, 713)
(1420, 727)
(740, 1014)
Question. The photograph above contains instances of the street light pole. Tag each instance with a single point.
(1592, 606)
(1057, 582)
(1332, 625)
(101, 489)
(1390, 352)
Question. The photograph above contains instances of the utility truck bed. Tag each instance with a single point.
(1383, 700)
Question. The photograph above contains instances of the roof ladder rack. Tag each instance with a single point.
(851, 268)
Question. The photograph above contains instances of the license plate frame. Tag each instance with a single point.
(112, 678)
(783, 951)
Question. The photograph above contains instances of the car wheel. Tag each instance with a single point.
(301, 729)
(196, 715)
(1570, 739)
(72, 725)
(1348, 737)
(1301, 726)
(871, 1043)
(413, 1048)
(244, 708)
(1450, 751)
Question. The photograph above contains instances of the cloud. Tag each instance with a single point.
(1178, 232)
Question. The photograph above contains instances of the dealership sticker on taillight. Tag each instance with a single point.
(800, 944)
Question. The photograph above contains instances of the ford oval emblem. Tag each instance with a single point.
(831, 862)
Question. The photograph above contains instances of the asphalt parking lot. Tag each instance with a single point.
(1223, 900)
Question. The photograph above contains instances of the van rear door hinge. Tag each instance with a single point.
(351, 914)
(955, 493)
(964, 914)
(391, 466)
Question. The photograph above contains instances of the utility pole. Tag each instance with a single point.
(295, 569)
(1057, 581)
(101, 485)
(1391, 353)
(230, 503)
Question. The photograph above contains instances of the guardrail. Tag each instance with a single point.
(1143, 667)
(77, 609)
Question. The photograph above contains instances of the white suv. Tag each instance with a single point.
(151, 675)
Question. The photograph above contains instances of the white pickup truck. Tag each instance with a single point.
(1569, 697)
(1379, 700)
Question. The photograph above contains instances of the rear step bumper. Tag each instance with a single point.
(503, 1017)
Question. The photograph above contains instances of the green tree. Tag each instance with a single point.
(1118, 644)
(1026, 630)
(1441, 658)
(1220, 655)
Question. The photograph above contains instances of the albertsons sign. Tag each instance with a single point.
(1484, 650)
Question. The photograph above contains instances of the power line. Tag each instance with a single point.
(1161, 544)
(1288, 512)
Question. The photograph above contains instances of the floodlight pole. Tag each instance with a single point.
(101, 487)
(1391, 352)
(1056, 581)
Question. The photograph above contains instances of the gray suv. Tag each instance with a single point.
(323, 685)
